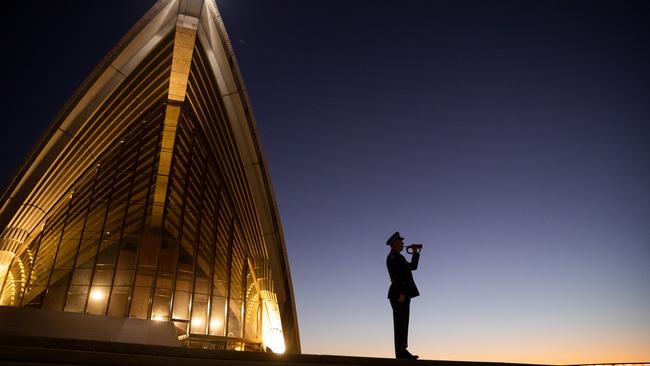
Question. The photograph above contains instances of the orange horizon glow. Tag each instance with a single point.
(508, 357)
(556, 350)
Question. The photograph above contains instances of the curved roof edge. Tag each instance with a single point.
(257, 170)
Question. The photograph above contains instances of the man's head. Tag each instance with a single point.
(396, 242)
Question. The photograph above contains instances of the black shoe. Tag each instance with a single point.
(407, 355)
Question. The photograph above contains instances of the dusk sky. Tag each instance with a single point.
(510, 138)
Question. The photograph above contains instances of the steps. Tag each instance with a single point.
(26, 351)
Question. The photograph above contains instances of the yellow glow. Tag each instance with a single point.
(159, 318)
(97, 295)
(3, 273)
(5, 260)
(215, 324)
(197, 322)
(272, 335)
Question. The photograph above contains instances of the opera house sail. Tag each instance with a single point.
(149, 197)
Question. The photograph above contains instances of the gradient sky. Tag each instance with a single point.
(511, 138)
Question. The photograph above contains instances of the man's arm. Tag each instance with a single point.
(414, 261)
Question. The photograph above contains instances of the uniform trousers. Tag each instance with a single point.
(401, 324)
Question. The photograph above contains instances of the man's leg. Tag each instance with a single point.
(405, 321)
(400, 325)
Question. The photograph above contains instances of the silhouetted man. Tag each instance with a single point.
(402, 289)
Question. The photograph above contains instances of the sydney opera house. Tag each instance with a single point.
(148, 201)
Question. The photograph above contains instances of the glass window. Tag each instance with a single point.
(199, 320)
(253, 314)
(134, 219)
(103, 277)
(202, 284)
(161, 303)
(149, 246)
(251, 330)
(123, 277)
(114, 220)
(76, 299)
(217, 311)
(98, 299)
(67, 252)
(81, 277)
(140, 302)
(126, 258)
(108, 252)
(164, 281)
(87, 253)
(168, 258)
(55, 298)
(34, 295)
(184, 281)
(181, 305)
(60, 277)
(95, 222)
(234, 319)
(144, 278)
(119, 301)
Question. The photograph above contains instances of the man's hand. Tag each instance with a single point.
(401, 298)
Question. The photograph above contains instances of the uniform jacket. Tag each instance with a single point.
(401, 277)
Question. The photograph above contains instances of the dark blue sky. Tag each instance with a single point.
(510, 138)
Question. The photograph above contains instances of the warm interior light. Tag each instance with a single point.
(3, 272)
(272, 335)
(6, 257)
(274, 339)
(197, 322)
(215, 324)
(5, 260)
(97, 295)
(159, 318)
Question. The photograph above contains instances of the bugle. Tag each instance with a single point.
(414, 248)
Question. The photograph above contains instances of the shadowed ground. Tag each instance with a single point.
(55, 351)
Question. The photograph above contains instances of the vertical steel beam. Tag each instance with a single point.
(215, 243)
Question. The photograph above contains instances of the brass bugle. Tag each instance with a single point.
(413, 248)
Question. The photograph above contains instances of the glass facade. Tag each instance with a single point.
(95, 253)
(158, 205)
